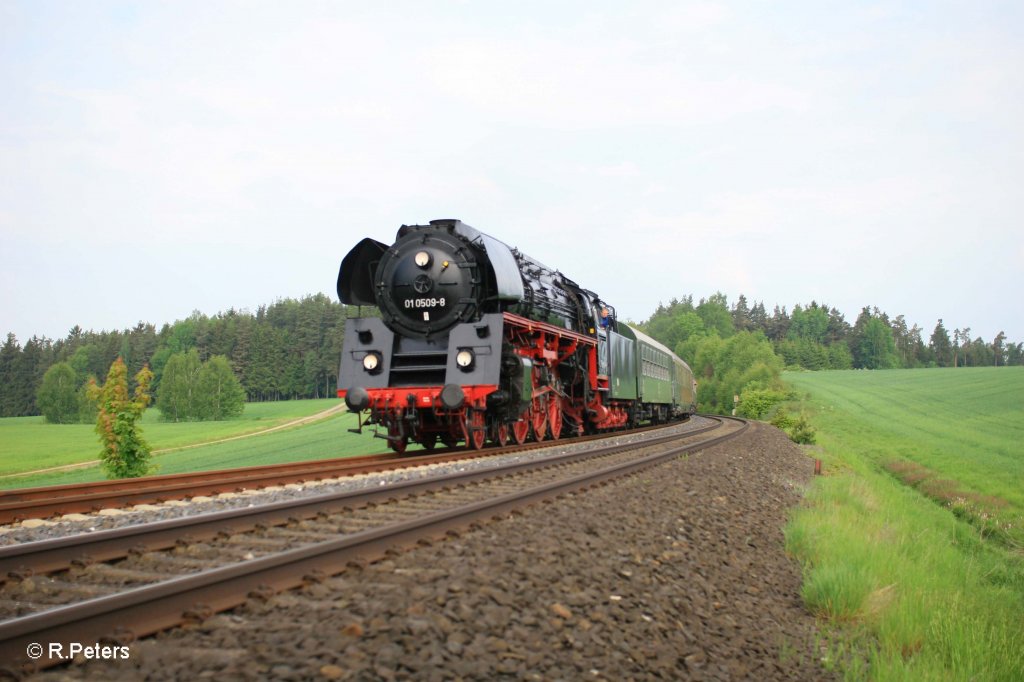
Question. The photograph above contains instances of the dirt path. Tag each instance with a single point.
(287, 425)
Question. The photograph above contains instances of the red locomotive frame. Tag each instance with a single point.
(417, 410)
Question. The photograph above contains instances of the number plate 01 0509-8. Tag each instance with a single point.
(413, 303)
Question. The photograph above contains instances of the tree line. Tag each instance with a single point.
(287, 350)
(816, 336)
(291, 349)
(740, 350)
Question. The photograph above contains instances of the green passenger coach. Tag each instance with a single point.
(665, 386)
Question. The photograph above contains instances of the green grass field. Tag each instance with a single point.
(913, 542)
(29, 443)
(965, 424)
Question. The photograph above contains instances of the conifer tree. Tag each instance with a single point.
(940, 345)
(741, 315)
(997, 348)
(9, 354)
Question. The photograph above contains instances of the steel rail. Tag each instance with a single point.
(47, 501)
(46, 556)
(142, 611)
(130, 484)
(27, 503)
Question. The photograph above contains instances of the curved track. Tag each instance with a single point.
(222, 559)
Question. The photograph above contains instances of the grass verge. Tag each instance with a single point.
(914, 589)
(28, 443)
(323, 439)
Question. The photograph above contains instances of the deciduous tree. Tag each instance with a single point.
(876, 348)
(1015, 354)
(714, 311)
(125, 454)
(58, 394)
(176, 399)
(808, 323)
(219, 395)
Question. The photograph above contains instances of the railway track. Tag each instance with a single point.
(50, 501)
(45, 502)
(111, 587)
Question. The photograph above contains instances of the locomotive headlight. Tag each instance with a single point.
(371, 362)
(422, 259)
(464, 359)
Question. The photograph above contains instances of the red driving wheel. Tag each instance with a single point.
(521, 429)
(501, 435)
(474, 431)
(555, 417)
(538, 419)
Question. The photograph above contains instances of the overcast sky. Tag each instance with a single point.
(162, 157)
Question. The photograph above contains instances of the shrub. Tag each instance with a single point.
(802, 432)
(755, 403)
(798, 429)
(782, 420)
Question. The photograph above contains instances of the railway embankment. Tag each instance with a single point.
(676, 572)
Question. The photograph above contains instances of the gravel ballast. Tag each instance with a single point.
(34, 530)
(676, 573)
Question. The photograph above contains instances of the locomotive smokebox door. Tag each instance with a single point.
(428, 282)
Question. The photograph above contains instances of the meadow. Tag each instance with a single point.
(29, 443)
(913, 541)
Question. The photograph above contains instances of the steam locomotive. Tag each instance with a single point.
(478, 342)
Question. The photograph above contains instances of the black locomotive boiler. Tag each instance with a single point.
(478, 342)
